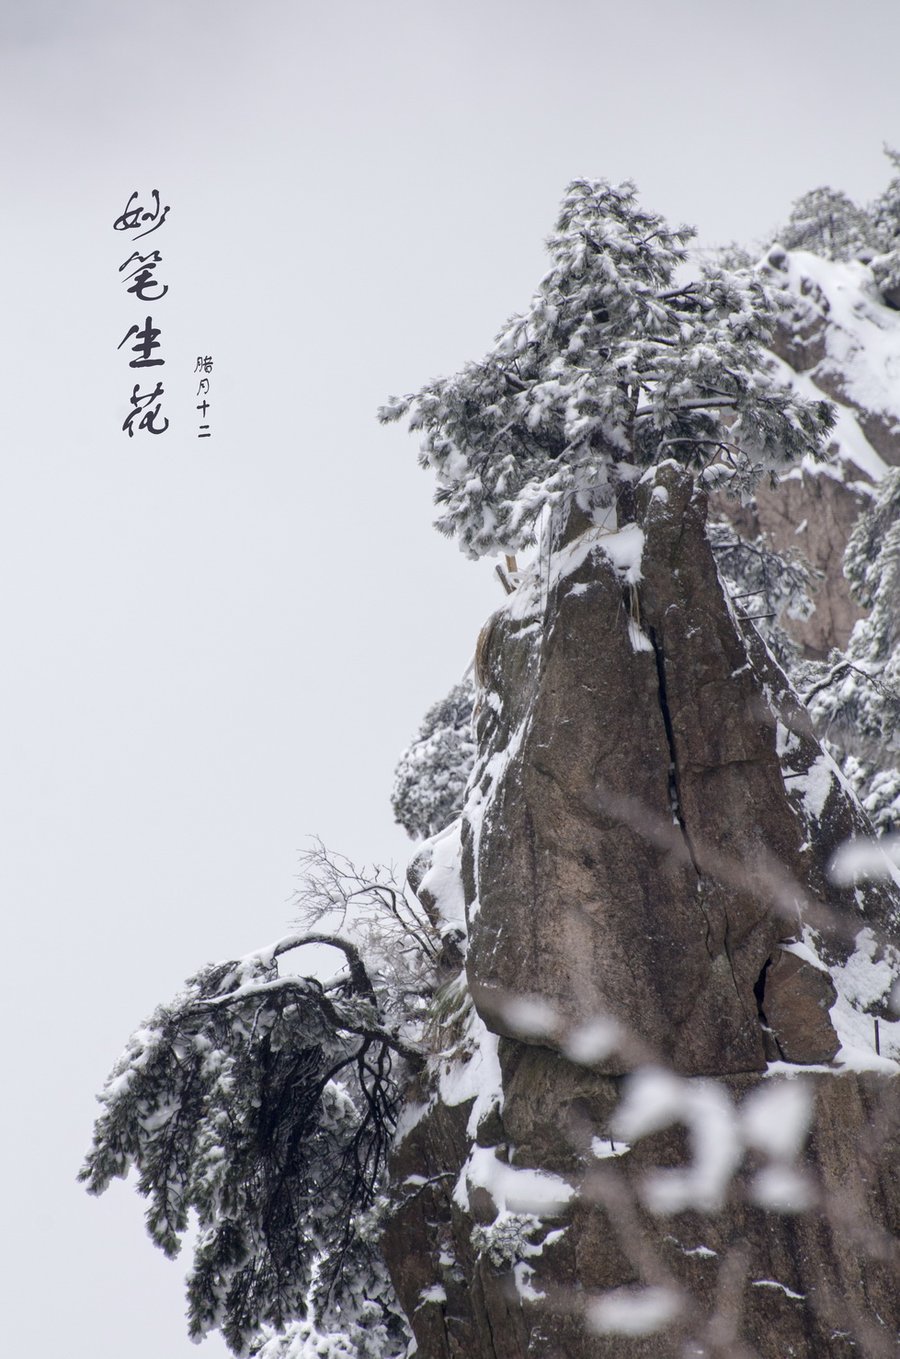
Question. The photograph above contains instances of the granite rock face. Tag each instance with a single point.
(644, 855)
(636, 855)
(812, 512)
(816, 1284)
(838, 338)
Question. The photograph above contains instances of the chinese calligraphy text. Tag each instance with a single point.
(146, 406)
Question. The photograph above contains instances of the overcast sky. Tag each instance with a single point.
(215, 648)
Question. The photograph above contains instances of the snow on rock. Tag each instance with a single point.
(625, 548)
(859, 338)
(815, 786)
(773, 1283)
(514, 1189)
(443, 880)
(866, 982)
(472, 1072)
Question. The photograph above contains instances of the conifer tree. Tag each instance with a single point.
(856, 701)
(885, 217)
(828, 223)
(263, 1105)
(431, 775)
(616, 364)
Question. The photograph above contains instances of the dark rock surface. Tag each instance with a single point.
(795, 999)
(815, 1285)
(628, 856)
(650, 820)
(812, 512)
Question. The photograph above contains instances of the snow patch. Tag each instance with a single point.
(815, 786)
(773, 1283)
(625, 549)
(434, 1293)
(444, 877)
(514, 1189)
(473, 1074)
(604, 1147)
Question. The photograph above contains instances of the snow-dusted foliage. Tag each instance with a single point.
(764, 584)
(856, 702)
(828, 223)
(885, 215)
(616, 364)
(263, 1105)
(431, 775)
(363, 1337)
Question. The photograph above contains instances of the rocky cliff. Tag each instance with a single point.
(658, 1123)
(836, 337)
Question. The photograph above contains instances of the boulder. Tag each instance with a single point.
(795, 998)
(620, 861)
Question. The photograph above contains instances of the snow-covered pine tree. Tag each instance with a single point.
(262, 1105)
(617, 364)
(431, 774)
(828, 223)
(885, 217)
(856, 701)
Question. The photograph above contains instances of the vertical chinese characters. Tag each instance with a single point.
(139, 221)
(204, 367)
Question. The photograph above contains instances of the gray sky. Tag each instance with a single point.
(215, 648)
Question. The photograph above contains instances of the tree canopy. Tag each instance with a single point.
(619, 362)
(262, 1105)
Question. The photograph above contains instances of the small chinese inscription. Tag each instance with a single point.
(204, 367)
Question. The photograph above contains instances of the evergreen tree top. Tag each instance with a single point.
(616, 364)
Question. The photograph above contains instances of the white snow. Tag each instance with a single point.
(605, 1147)
(806, 952)
(865, 980)
(638, 638)
(444, 877)
(411, 1115)
(514, 1189)
(483, 782)
(814, 786)
(476, 1077)
(434, 1293)
(625, 548)
(862, 335)
(773, 1283)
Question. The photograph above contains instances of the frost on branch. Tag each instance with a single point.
(264, 1106)
(615, 365)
